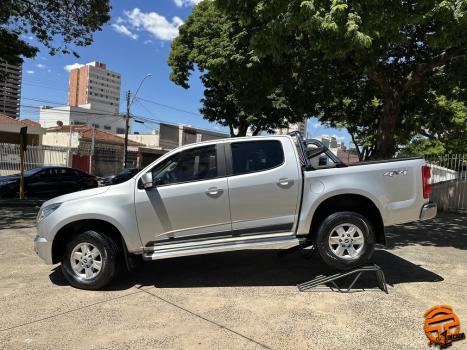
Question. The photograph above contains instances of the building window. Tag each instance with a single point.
(96, 126)
(106, 127)
(120, 131)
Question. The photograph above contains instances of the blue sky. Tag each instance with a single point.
(134, 43)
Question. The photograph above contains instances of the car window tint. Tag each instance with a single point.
(47, 173)
(253, 156)
(190, 165)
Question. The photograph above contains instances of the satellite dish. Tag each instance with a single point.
(60, 123)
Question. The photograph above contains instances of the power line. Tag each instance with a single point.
(168, 107)
(91, 114)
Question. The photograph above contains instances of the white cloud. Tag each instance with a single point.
(316, 125)
(154, 23)
(120, 28)
(181, 3)
(69, 67)
(41, 66)
(147, 42)
(30, 71)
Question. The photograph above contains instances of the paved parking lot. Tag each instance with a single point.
(240, 300)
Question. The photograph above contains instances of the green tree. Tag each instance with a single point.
(241, 91)
(387, 48)
(56, 24)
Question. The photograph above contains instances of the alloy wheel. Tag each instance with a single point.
(86, 261)
(346, 241)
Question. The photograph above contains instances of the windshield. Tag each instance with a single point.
(31, 171)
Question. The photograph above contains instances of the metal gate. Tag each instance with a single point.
(449, 182)
(81, 162)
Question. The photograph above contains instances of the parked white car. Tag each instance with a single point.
(224, 195)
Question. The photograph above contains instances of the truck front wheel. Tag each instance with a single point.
(90, 260)
(345, 240)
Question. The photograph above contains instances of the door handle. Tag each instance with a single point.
(214, 191)
(283, 182)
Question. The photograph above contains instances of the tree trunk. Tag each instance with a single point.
(385, 141)
(241, 130)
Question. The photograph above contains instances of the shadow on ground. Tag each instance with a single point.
(265, 268)
(254, 268)
(17, 217)
(446, 230)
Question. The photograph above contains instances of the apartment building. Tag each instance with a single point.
(93, 99)
(10, 89)
(95, 87)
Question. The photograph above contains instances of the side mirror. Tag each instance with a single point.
(146, 180)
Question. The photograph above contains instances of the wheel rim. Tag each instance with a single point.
(346, 241)
(86, 261)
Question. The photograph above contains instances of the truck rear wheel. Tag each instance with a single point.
(345, 240)
(90, 260)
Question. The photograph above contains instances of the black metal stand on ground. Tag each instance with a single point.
(324, 280)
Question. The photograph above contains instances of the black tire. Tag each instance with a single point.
(109, 257)
(325, 249)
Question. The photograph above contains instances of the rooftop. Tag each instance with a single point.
(4, 119)
(85, 132)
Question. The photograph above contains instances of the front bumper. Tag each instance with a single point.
(43, 248)
(428, 211)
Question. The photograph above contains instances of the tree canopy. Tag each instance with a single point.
(375, 67)
(241, 91)
(58, 25)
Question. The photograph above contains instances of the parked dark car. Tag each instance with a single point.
(119, 177)
(47, 182)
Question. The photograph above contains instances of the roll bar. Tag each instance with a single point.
(305, 154)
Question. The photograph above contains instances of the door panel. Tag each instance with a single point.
(263, 201)
(191, 199)
(183, 211)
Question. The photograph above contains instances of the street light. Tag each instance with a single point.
(129, 102)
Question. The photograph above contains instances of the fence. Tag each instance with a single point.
(35, 156)
(449, 182)
(102, 161)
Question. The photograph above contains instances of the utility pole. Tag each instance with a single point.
(127, 126)
(91, 157)
(22, 147)
(129, 101)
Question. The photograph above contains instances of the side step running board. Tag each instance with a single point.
(217, 246)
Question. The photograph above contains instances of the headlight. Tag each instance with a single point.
(46, 211)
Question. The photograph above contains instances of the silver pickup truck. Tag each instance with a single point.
(238, 193)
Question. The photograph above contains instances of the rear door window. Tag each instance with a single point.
(254, 156)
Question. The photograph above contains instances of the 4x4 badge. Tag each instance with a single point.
(391, 173)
